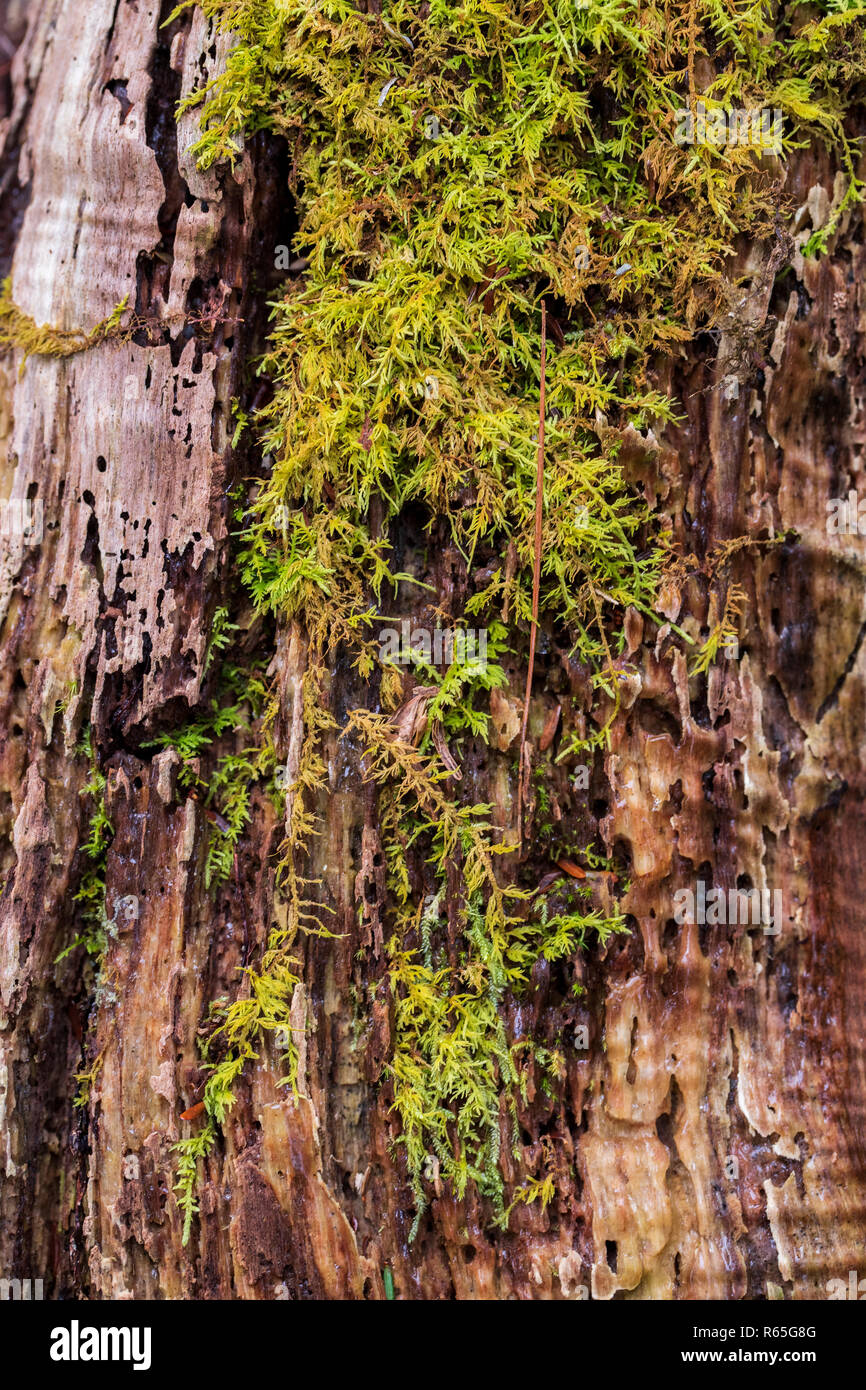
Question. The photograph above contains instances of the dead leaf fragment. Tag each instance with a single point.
(437, 733)
(551, 725)
(410, 720)
(573, 870)
(506, 720)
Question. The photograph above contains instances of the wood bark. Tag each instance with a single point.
(705, 1045)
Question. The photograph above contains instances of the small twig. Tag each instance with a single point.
(536, 571)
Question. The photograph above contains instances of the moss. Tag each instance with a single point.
(453, 172)
(19, 330)
(240, 713)
(237, 1029)
(90, 894)
(96, 928)
(190, 1151)
(85, 1080)
(722, 633)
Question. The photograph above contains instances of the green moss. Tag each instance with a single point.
(225, 790)
(452, 172)
(236, 1030)
(221, 638)
(90, 894)
(96, 928)
(189, 1152)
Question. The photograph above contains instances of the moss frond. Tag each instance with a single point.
(19, 330)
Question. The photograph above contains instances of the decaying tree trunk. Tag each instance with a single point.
(709, 1142)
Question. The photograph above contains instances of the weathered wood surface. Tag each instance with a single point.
(705, 1044)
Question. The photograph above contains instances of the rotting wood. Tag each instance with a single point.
(742, 1047)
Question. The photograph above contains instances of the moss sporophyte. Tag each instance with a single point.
(455, 167)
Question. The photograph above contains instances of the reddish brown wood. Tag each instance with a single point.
(703, 1047)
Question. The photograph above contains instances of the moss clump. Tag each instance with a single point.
(452, 172)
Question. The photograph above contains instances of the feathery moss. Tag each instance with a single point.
(454, 166)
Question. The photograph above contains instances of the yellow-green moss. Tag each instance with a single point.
(451, 172)
(19, 330)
